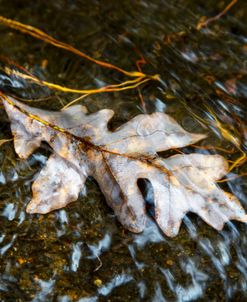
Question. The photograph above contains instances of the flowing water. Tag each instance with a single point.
(82, 253)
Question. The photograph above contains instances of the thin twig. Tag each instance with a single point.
(37, 33)
(100, 264)
(206, 22)
(74, 101)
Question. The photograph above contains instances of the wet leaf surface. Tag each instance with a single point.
(84, 147)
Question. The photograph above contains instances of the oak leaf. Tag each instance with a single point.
(83, 146)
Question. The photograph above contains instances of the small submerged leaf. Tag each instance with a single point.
(83, 146)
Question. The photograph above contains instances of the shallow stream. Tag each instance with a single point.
(82, 253)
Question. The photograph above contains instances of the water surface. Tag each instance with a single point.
(81, 253)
